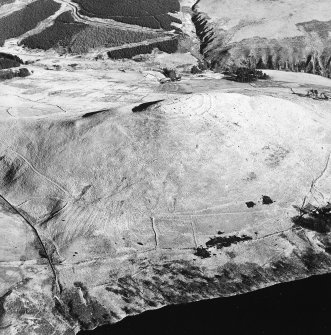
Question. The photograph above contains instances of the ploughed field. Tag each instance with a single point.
(146, 13)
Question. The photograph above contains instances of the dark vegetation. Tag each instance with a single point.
(169, 46)
(142, 107)
(250, 204)
(86, 115)
(171, 74)
(310, 53)
(266, 200)
(201, 67)
(57, 36)
(297, 54)
(94, 37)
(9, 74)
(89, 313)
(205, 35)
(245, 74)
(314, 218)
(225, 241)
(296, 308)
(202, 252)
(195, 70)
(313, 94)
(220, 242)
(66, 35)
(18, 23)
(146, 13)
(8, 61)
(4, 2)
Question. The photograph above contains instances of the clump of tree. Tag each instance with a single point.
(9, 74)
(313, 94)
(202, 252)
(245, 74)
(8, 61)
(201, 67)
(195, 70)
(171, 74)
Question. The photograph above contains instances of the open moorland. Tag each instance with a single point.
(146, 13)
(182, 174)
(126, 179)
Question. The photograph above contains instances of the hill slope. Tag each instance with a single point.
(288, 34)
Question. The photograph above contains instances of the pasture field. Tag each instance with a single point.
(75, 37)
(169, 46)
(18, 23)
(146, 13)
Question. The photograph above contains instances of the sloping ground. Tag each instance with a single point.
(4, 2)
(288, 34)
(21, 21)
(59, 26)
(145, 13)
(122, 201)
(68, 35)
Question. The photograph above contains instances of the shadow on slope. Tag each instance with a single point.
(300, 307)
